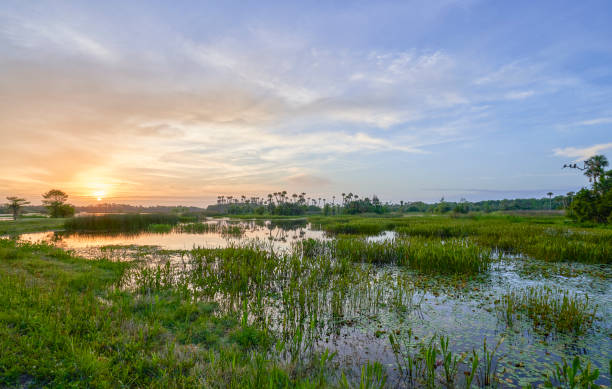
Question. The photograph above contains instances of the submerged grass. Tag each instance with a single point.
(549, 309)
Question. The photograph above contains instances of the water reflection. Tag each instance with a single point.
(279, 233)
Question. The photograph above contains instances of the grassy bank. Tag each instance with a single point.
(63, 323)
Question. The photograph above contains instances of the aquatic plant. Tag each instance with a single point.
(160, 228)
(542, 241)
(430, 256)
(549, 309)
(573, 376)
(373, 376)
(205, 228)
(118, 222)
(487, 374)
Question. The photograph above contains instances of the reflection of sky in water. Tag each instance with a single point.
(465, 314)
(279, 233)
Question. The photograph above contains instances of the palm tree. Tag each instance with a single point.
(593, 167)
(549, 200)
(596, 165)
(15, 204)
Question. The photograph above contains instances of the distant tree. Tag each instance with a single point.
(593, 168)
(462, 206)
(595, 204)
(549, 194)
(442, 206)
(55, 201)
(14, 205)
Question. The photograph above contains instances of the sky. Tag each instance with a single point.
(156, 102)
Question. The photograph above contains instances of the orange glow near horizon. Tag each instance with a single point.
(99, 195)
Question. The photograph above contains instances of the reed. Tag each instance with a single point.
(118, 223)
(159, 228)
(549, 309)
(208, 228)
(429, 256)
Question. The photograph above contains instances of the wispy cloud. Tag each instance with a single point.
(582, 153)
(55, 38)
(594, 122)
(147, 100)
(519, 95)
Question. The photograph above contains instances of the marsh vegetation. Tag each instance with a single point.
(343, 301)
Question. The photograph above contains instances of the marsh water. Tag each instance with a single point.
(464, 310)
(279, 234)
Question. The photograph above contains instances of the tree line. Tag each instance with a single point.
(590, 204)
(593, 204)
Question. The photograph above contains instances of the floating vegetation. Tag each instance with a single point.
(549, 309)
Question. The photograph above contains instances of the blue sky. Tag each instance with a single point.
(159, 102)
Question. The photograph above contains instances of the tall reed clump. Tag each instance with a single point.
(546, 242)
(549, 309)
(159, 228)
(357, 228)
(205, 228)
(429, 256)
(118, 223)
(433, 365)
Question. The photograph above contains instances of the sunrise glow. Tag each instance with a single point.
(407, 102)
(99, 195)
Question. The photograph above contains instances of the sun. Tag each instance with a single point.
(99, 194)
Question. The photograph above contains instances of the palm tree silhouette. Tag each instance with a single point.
(549, 200)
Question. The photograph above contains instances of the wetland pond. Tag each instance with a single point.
(353, 314)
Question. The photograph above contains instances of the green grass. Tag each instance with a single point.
(424, 255)
(260, 217)
(63, 323)
(118, 223)
(159, 228)
(240, 316)
(205, 228)
(549, 309)
(22, 226)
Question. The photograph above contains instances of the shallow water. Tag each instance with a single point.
(463, 310)
(279, 234)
